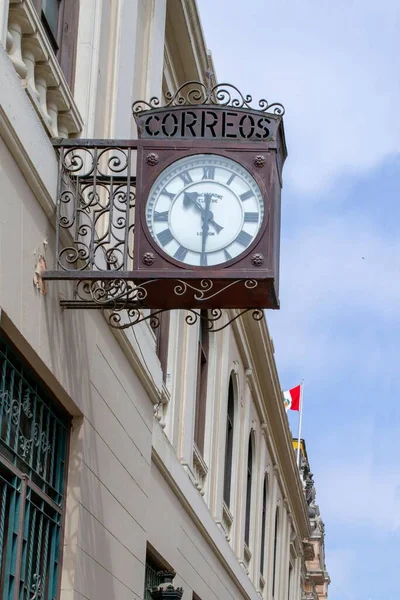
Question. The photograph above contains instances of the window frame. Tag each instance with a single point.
(203, 355)
(276, 547)
(158, 562)
(28, 478)
(249, 486)
(264, 511)
(64, 44)
(229, 439)
(162, 341)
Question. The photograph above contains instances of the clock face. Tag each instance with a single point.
(204, 210)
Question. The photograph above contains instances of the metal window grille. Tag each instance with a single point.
(33, 450)
(151, 578)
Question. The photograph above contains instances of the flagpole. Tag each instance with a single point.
(300, 421)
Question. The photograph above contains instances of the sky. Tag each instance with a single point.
(335, 66)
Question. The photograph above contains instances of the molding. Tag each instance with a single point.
(66, 117)
(25, 164)
(255, 346)
(37, 364)
(138, 365)
(247, 553)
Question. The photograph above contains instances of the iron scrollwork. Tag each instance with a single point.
(123, 306)
(213, 316)
(206, 290)
(95, 207)
(198, 93)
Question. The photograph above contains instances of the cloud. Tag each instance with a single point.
(341, 570)
(331, 66)
(356, 493)
(340, 297)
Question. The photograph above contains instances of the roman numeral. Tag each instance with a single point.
(231, 178)
(244, 238)
(170, 195)
(185, 176)
(227, 255)
(165, 237)
(162, 216)
(203, 260)
(247, 195)
(251, 217)
(181, 253)
(208, 172)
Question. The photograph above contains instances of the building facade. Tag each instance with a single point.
(315, 577)
(123, 452)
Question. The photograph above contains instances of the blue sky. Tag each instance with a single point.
(336, 68)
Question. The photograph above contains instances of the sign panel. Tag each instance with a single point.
(207, 122)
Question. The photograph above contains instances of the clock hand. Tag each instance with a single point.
(191, 198)
(207, 216)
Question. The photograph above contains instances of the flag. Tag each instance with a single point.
(291, 398)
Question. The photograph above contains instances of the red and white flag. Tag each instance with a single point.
(291, 398)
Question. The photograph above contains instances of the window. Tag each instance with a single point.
(154, 566)
(229, 444)
(162, 335)
(248, 491)
(34, 435)
(290, 581)
(201, 392)
(263, 524)
(275, 565)
(60, 21)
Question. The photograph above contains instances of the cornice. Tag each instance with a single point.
(192, 43)
(257, 351)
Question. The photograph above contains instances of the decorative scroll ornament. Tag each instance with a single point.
(36, 589)
(95, 208)
(123, 303)
(197, 93)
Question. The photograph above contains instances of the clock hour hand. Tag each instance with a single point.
(191, 198)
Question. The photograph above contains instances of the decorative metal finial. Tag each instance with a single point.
(209, 74)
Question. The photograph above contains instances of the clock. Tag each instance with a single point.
(204, 210)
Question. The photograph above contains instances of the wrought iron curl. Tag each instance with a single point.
(116, 163)
(213, 316)
(135, 316)
(74, 163)
(196, 92)
(73, 255)
(250, 284)
(142, 105)
(257, 314)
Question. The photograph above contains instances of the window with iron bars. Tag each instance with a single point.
(151, 577)
(34, 435)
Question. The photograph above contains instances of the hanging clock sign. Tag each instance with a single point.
(208, 200)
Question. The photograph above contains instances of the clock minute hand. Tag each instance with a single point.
(191, 198)
(206, 226)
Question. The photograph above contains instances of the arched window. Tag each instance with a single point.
(229, 443)
(290, 581)
(162, 334)
(248, 490)
(263, 523)
(274, 573)
(201, 392)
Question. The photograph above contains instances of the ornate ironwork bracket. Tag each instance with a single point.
(122, 302)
